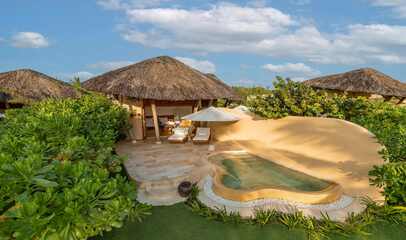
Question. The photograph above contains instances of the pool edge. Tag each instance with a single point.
(328, 195)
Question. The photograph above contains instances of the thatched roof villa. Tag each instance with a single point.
(25, 86)
(159, 90)
(361, 82)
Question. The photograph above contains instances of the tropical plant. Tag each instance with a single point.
(59, 177)
(387, 213)
(292, 220)
(75, 82)
(265, 216)
(293, 98)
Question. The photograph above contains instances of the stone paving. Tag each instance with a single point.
(159, 168)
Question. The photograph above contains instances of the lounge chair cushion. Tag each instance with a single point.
(179, 135)
(202, 135)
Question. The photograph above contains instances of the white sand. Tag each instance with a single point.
(329, 149)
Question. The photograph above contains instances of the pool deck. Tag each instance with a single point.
(159, 168)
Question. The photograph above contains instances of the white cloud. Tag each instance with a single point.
(245, 82)
(296, 71)
(398, 6)
(379, 33)
(390, 59)
(82, 75)
(29, 40)
(108, 66)
(226, 27)
(201, 65)
(224, 19)
(126, 4)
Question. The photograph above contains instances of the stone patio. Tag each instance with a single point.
(160, 168)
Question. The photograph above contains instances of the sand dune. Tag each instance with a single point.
(330, 149)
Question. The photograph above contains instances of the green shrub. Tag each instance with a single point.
(263, 217)
(245, 92)
(291, 98)
(388, 123)
(59, 178)
(392, 178)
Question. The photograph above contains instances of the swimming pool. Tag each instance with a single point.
(242, 176)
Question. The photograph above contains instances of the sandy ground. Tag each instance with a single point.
(329, 149)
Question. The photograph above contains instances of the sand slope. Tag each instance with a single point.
(330, 149)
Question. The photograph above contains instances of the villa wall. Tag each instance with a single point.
(177, 111)
(329, 149)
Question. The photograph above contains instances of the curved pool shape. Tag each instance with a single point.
(241, 176)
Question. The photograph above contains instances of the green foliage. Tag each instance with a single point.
(388, 123)
(386, 213)
(292, 220)
(392, 177)
(316, 229)
(193, 193)
(59, 178)
(263, 217)
(245, 92)
(75, 82)
(293, 98)
(219, 214)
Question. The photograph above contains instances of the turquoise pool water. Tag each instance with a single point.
(245, 171)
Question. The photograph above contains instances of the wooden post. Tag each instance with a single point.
(156, 123)
(211, 103)
(144, 127)
(199, 105)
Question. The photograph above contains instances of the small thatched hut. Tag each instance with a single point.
(25, 86)
(362, 82)
(158, 91)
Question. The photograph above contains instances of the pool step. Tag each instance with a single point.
(163, 199)
(165, 191)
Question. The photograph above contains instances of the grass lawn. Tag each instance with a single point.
(178, 223)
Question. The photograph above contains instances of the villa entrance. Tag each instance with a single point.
(152, 118)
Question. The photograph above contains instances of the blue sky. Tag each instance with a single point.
(243, 42)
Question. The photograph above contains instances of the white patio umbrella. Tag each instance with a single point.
(211, 114)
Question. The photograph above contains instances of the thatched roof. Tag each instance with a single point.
(365, 80)
(26, 85)
(161, 78)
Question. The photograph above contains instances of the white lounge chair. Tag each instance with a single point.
(179, 135)
(202, 135)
